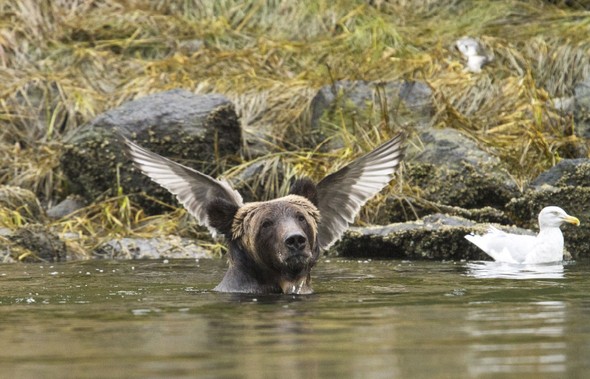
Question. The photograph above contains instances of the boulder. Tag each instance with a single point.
(350, 102)
(151, 248)
(448, 168)
(566, 185)
(568, 172)
(436, 237)
(196, 130)
(35, 243)
(405, 208)
(66, 207)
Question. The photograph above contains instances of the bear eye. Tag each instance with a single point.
(266, 224)
(301, 218)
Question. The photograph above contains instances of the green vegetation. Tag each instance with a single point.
(64, 62)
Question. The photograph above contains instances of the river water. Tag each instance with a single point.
(367, 319)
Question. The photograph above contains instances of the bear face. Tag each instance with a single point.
(274, 243)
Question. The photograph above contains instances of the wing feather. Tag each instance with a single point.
(342, 193)
(193, 189)
(502, 246)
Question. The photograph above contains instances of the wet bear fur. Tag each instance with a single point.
(273, 245)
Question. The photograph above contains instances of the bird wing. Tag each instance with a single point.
(342, 193)
(194, 190)
(502, 246)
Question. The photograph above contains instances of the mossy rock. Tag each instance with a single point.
(66, 207)
(36, 243)
(402, 209)
(200, 131)
(568, 172)
(170, 247)
(437, 237)
(470, 187)
(582, 108)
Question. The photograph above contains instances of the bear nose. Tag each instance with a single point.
(296, 242)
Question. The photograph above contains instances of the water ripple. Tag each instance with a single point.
(501, 270)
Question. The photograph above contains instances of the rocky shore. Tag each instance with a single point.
(450, 186)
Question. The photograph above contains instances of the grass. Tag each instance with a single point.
(64, 62)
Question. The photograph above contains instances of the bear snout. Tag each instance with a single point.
(296, 243)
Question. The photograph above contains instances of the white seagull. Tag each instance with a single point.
(473, 52)
(547, 246)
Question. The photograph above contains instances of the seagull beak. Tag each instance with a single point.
(572, 220)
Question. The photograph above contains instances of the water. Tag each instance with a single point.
(376, 319)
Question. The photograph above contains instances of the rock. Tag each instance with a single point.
(66, 207)
(410, 208)
(196, 130)
(437, 237)
(451, 148)
(447, 167)
(574, 200)
(170, 247)
(568, 172)
(23, 202)
(450, 169)
(36, 243)
(358, 101)
(582, 108)
(417, 98)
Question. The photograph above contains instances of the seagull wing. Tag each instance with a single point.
(502, 246)
(194, 190)
(342, 193)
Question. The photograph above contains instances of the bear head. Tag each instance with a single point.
(273, 242)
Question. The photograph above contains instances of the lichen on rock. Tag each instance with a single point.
(197, 130)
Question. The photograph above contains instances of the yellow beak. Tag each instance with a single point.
(572, 220)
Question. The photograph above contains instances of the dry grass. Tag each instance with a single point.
(63, 62)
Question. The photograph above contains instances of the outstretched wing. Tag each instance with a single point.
(194, 190)
(342, 193)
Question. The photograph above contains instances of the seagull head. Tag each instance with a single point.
(469, 47)
(554, 217)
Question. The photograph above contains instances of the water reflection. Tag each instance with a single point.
(378, 319)
(313, 336)
(529, 338)
(500, 270)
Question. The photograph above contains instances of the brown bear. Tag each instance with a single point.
(273, 245)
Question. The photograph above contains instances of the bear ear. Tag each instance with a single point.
(306, 188)
(220, 216)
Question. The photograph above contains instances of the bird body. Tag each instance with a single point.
(547, 246)
(474, 54)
